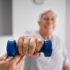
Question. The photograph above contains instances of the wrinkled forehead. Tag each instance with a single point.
(49, 13)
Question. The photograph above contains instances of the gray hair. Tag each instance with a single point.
(46, 10)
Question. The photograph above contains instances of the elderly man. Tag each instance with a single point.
(32, 41)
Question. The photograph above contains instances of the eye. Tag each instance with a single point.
(53, 19)
(45, 18)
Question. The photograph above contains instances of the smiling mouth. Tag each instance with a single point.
(49, 26)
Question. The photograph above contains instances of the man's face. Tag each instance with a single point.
(47, 22)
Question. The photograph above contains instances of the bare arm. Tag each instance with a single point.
(66, 66)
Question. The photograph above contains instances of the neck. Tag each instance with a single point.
(45, 36)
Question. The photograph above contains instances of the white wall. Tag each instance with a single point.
(25, 16)
(3, 44)
(5, 24)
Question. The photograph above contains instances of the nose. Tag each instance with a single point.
(49, 22)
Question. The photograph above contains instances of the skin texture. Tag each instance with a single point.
(49, 20)
(30, 45)
(11, 63)
(47, 24)
(66, 66)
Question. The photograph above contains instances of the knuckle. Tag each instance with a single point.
(19, 45)
(20, 39)
(26, 42)
(39, 44)
(25, 46)
(40, 41)
(25, 50)
(32, 46)
(28, 36)
(33, 36)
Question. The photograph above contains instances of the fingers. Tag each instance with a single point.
(29, 45)
(16, 59)
(20, 45)
(19, 67)
(39, 44)
(26, 45)
(15, 62)
(32, 45)
(37, 54)
(21, 60)
(4, 57)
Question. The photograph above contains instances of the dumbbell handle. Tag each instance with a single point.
(12, 48)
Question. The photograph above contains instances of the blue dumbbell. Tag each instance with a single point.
(12, 48)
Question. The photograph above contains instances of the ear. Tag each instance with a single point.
(39, 23)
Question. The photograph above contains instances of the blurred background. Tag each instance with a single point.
(18, 16)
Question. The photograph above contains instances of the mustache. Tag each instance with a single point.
(49, 26)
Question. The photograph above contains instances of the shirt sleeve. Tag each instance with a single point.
(65, 54)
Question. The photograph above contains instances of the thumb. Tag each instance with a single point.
(4, 57)
(21, 60)
(37, 54)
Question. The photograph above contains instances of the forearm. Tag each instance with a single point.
(66, 66)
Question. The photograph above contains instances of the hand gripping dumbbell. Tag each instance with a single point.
(12, 48)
